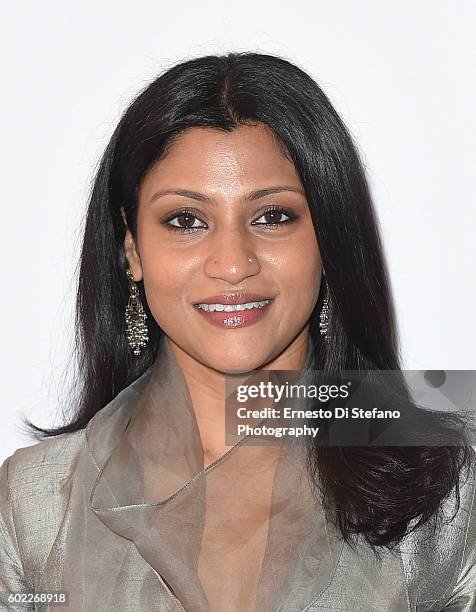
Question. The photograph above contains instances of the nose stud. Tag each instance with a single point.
(249, 259)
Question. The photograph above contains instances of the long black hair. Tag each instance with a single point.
(374, 491)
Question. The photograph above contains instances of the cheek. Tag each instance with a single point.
(299, 270)
(165, 279)
(165, 294)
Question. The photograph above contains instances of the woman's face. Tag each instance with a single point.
(231, 184)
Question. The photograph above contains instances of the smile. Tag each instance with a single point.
(232, 307)
(234, 315)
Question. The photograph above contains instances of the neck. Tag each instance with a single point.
(207, 390)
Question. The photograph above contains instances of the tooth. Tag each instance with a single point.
(232, 307)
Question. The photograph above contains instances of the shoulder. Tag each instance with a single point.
(439, 558)
(463, 592)
(34, 485)
(48, 458)
(40, 469)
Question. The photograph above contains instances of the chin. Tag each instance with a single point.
(232, 364)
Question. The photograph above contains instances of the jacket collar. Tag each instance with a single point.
(151, 489)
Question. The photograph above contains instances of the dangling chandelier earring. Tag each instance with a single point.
(324, 314)
(136, 329)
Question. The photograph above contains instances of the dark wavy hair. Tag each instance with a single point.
(377, 492)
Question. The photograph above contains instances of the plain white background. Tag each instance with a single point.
(400, 74)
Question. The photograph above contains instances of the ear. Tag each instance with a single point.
(131, 251)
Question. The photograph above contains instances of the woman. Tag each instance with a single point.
(230, 220)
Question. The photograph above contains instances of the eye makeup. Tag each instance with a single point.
(188, 213)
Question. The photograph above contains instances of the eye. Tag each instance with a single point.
(275, 213)
(185, 221)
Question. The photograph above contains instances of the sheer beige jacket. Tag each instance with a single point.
(122, 516)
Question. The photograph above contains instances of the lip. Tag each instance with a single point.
(237, 319)
(234, 298)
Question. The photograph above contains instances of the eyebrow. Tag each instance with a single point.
(250, 197)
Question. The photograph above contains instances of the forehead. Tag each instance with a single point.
(249, 153)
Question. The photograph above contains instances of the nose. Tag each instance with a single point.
(231, 257)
